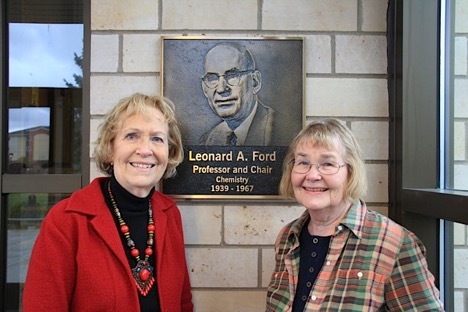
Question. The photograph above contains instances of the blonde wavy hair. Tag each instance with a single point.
(332, 134)
(127, 107)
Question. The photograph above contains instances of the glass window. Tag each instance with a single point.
(44, 126)
(430, 76)
(45, 98)
(25, 214)
(44, 131)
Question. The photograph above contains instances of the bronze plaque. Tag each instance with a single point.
(239, 103)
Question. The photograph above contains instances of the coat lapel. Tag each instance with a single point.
(101, 219)
(104, 226)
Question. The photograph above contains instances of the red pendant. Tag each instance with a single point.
(144, 276)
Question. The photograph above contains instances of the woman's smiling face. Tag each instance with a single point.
(314, 190)
(141, 151)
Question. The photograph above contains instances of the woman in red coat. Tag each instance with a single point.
(117, 244)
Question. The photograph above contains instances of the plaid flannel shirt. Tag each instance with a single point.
(373, 264)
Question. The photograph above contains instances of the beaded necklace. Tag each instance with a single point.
(143, 272)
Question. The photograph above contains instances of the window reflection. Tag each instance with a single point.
(45, 98)
(28, 139)
(45, 55)
(44, 130)
(25, 214)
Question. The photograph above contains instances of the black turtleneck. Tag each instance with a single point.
(134, 211)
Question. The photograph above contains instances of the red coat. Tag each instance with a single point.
(78, 262)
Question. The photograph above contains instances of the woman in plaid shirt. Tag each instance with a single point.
(339, 256)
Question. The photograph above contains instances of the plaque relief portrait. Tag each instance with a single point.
(239, 103)
(231, 84)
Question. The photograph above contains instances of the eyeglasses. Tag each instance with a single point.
(232, 78)
(327, 167)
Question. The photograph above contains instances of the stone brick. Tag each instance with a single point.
(310, 15)
(256, 225)
(459, 301)
(318, 54)
(141, 53)
(460, 173)
(461, 12)
(223, 267)
(268, 265)
(364, 97)
(460, 96)
(209, 14)
(94, 172)
(372, 137)
(105, 52)
(465, 231)
(374, 15)
(377, 175)
(459, 234)
(460, 273)
(460, 56)
(229, 301)
(128, 15)
(379, 209)
(202, 224)
(361, 54)
(459, 141)
(106, 91)
(93, 133)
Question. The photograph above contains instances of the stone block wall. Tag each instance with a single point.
(460, 152)
(230, 244)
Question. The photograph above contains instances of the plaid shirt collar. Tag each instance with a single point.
(353, 220)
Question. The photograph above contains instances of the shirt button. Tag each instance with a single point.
(314, 297)
(328, 262)
(339, 228)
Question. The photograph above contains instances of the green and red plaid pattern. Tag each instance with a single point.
(373, 264)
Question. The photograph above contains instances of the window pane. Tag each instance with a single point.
(37, 50)
(44, 102)
(25, 214)
(44, 133)
(44, 119)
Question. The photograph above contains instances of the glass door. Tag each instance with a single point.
(43, 128)
(429, 86)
